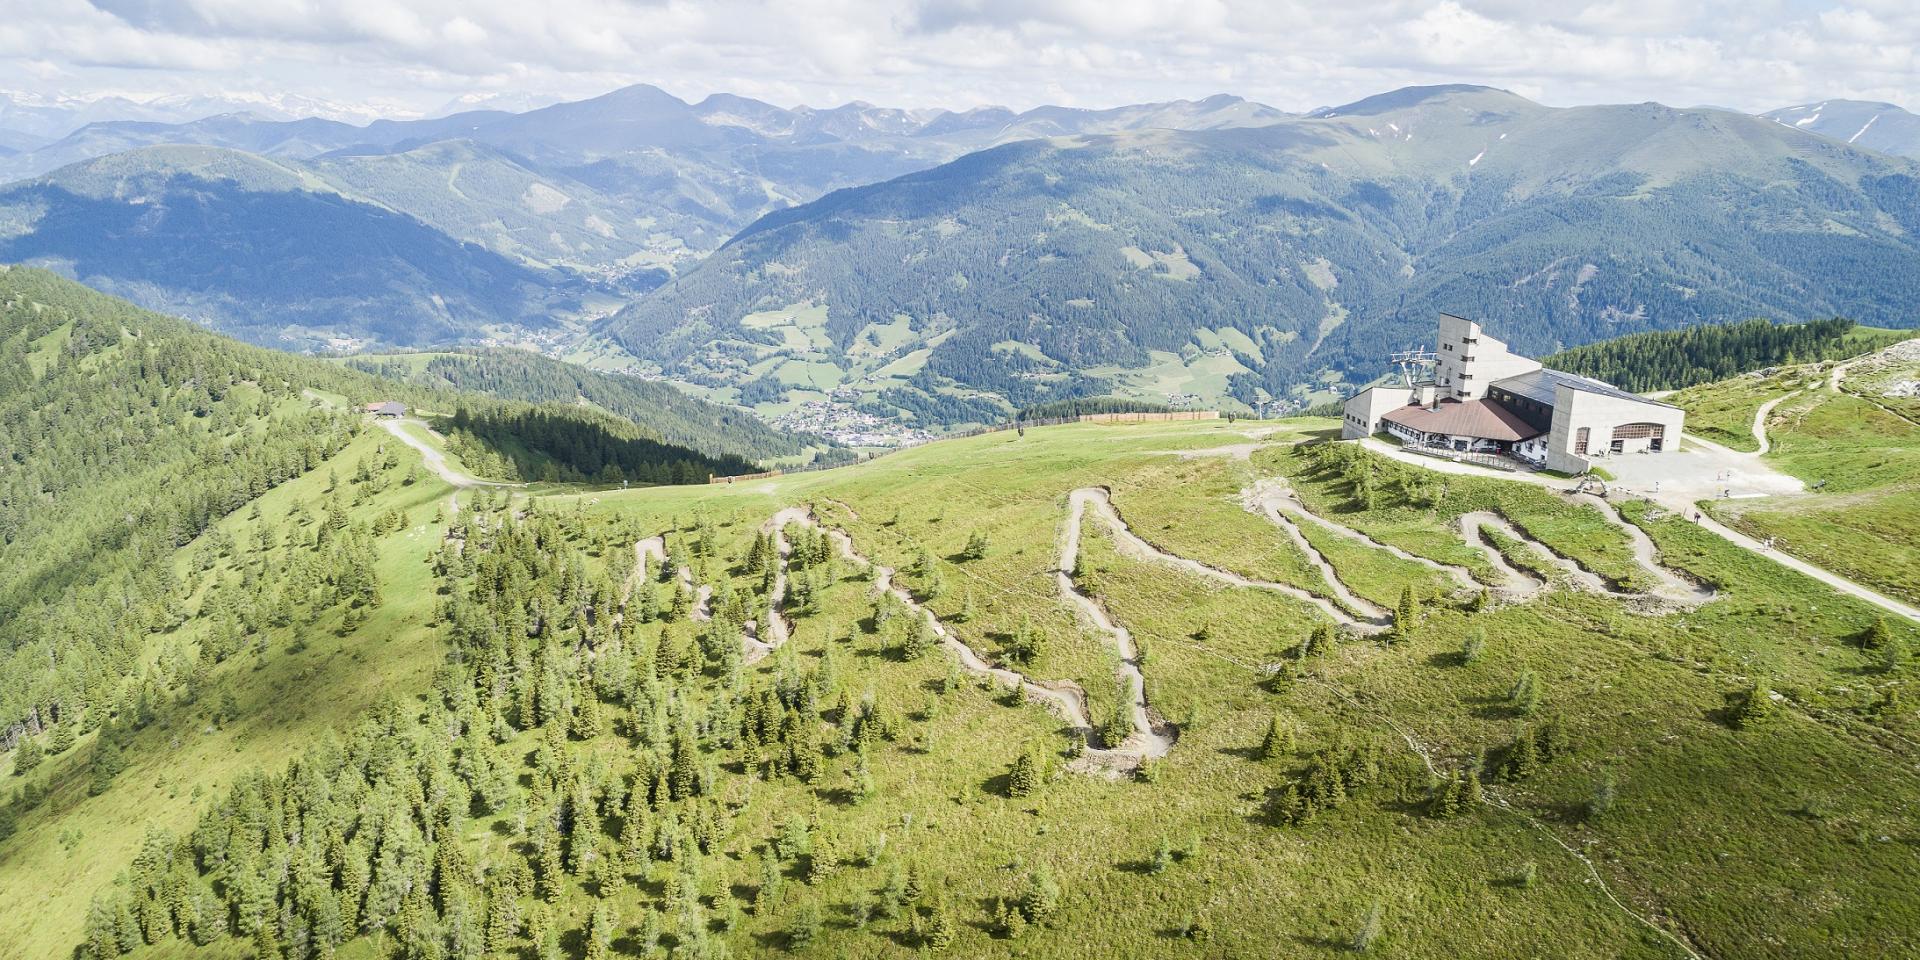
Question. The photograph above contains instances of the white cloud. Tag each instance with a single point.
(1291, 53)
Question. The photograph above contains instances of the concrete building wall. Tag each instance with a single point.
(1361, 415)
(1469, 359)
(1605, 419)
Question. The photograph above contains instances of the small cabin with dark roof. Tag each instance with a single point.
(387, 408)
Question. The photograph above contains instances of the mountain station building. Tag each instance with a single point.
(1480, 398)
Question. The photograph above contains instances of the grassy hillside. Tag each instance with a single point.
(667, 413)
(208, 559)
(1860, 444)
(539, 750)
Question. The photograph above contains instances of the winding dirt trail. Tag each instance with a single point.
(437, 462)
(1273, 498)
(1133, 546)
(654, 548)
(1766, 409)
(754, 646)
(1671, 586)
(1065, 698)
(1520, 584)
(1367, 609)
(1148, 738)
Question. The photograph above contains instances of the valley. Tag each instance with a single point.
(1119, 687)
(515, 499)
(878, 276)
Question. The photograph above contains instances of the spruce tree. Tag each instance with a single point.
(26, 756)
(1755, 706)
(1877, 635)
(1024, 777)
(1523, 697)
(1475, 646)
(1279, 739)
(805, 927)
(1370, 928)
(940, 928)
(1407, 615)
(1040, 902)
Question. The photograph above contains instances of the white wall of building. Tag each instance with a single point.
(1363, 411)
(1602, 417)
(1469, 359)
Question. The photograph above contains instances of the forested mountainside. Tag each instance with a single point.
(1674, 359)
(128, 434)
(482, 225)
(667, 413)
(556, 736)
(271, 253)
(1249, 261)
(1871, 126)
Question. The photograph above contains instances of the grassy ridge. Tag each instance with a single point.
(1710, 825)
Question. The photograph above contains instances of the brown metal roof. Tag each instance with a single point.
(1475, 418)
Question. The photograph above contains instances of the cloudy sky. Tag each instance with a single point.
(413, 56)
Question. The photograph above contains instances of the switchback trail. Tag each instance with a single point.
(1148, 738)
(1271, 497)
(1065, 698)
(1282, 506)
(1132, 545)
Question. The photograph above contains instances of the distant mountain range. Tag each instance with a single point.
(1264, 261)
(1874, 126)
(953, 264)
(513, 224)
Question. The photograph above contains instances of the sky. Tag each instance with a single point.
(412, 57)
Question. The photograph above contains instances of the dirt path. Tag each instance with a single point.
(1366, 609)
(1670, 586)
(778, 631)
(1235, 451)
(1148, 738)
(435, 460)
(1837, 582)
(652, 547)
(1131, 545)
(1834, 580)
(1271, 496)
(1064, 698)
(1520, 584)
(1766, 409)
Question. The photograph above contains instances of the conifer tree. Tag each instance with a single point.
(941, 930)
(600, 932)
(1407, 615)
(1524, 696)
(1024, 776)
(1370, 928)
(1877, 635)
(919, 640)
(1040, 902)
(1755, 706)
(26, 756)
(805, 927)
(1279, 739)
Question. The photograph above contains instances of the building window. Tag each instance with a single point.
(1580, 442)
(1640, 431)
